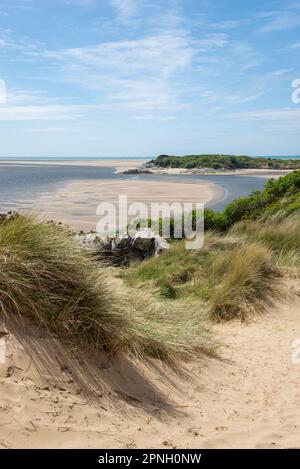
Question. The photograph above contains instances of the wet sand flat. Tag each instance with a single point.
(76, 203)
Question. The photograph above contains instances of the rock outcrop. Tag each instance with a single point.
(124, 249)
(137, 171)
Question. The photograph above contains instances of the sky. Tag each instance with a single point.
(95, 78)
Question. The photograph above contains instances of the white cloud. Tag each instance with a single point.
(126, 8)
(25, 97)
(50, 130)
(157, 53)
(3, 93)
(29, 113)
(137, 75)
(155, 117)
(280, 114)
(209, 96)
(279, 20)
(229, 24)
(237, 99)
(21, 44)
(276, 120)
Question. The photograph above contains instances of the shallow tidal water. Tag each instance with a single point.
(22, 184)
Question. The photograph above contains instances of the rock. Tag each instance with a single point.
(149, 242)
(121, 243)
(137, 171)
(161, 245)
(125, 249)
(87, 238)
(143, 240)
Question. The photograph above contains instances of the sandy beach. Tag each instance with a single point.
(266, 173)
(75, 204)
(250, 400)
(237, 172)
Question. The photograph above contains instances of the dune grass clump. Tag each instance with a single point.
(46, 277)
(233, 276)
(249, 282)
(279, 235)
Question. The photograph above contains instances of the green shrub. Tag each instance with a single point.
(229, 162)
(282, 193)
(215, 221)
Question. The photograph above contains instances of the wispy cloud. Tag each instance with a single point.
(279, 20)
(127, 8)
(140, 75)
(154, 117)
(44, 112)
(229, 24)
(277, 114)
(23, 44)
(278, 120)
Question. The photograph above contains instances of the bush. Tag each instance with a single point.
(229, 162)
(284, 191)
(244, 207)
(214, 221)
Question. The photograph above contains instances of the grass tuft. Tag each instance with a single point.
(279, 235)
(249, 282)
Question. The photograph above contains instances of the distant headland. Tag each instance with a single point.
(223, 162)
(217, 163)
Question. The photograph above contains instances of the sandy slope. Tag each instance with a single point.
(250, 400)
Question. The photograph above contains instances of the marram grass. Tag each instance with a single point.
(232, 275)
(249, 282)
(47, 277)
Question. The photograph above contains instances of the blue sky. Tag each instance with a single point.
(142, 77)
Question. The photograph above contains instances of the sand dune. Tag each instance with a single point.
(251, 399)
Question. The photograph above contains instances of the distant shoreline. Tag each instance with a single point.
(123, 165)
(124, 158)
(120, 163)
(140, 165)
(267, 173)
